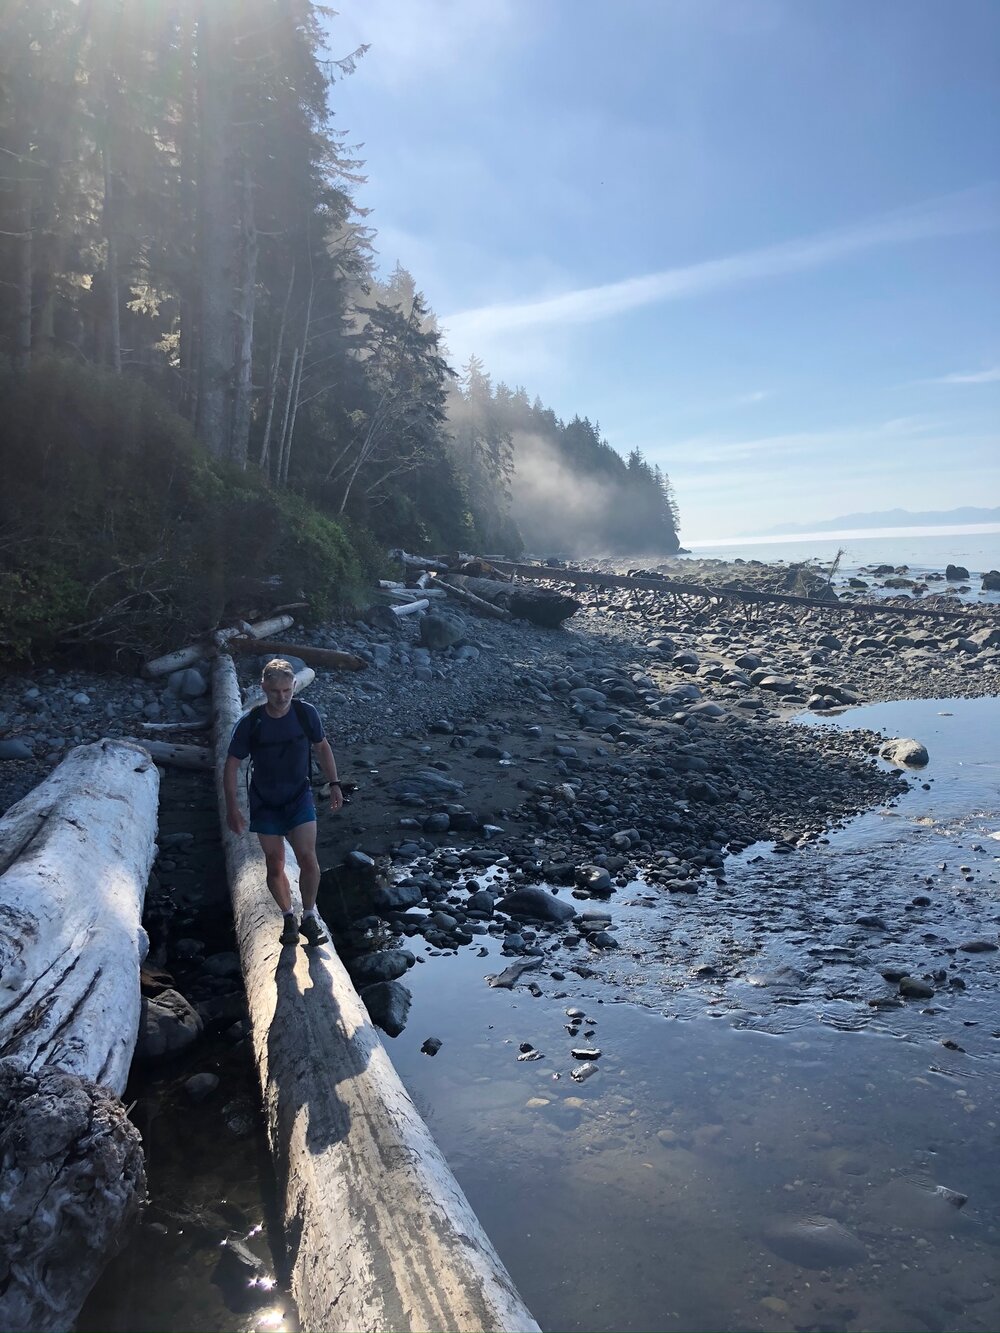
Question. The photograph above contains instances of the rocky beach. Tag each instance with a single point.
(573, 803)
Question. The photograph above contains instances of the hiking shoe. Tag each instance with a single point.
(312, 929)
(289, 931)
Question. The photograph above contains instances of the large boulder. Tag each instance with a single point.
(991, 580)
(956, 573)
(388, 1005)
(384, 965)
(440, 632)
(905, 752)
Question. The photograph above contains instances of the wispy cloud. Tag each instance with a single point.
(991, 376)
(965, 212)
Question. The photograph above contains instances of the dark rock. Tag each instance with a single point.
(385, 965)
(536, 904)
(388, 1004)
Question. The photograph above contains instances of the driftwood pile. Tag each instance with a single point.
(479, 585)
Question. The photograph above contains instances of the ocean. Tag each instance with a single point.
(923, 550)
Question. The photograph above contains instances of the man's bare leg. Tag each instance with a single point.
(303, 841)
(273, 847)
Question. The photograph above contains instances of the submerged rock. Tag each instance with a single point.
(814, 1242)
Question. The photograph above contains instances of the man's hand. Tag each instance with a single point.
(336, 798)
(235, 821)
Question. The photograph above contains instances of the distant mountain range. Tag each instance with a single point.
(889, 518)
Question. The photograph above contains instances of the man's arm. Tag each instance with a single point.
(328, 765)
(234, 815)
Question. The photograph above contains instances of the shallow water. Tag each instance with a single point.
(760, 1147)
(771, 1143)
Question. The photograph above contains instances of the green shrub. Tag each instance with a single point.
(116, 527)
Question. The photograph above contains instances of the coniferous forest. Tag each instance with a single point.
(205, 376)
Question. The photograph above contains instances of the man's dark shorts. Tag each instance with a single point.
(279, 822)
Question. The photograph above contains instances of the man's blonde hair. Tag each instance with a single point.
(277, 667)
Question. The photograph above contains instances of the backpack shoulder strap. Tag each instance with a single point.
(303, 716)
(256, 722)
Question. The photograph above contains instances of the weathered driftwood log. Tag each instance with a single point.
(324, 657)
(196, 757)
(524, 601)
(400, 593)
(75, 856)
(418, 561)
(185, 657)
(410, 608)
(201, 725)
(255, 695)
(479, 603)
(380, 1234)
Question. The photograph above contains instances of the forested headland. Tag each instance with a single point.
(205, 377)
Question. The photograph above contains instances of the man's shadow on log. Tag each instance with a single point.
(310, 1052)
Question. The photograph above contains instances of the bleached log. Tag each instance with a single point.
(75, 856)
(325, 657)
(196, 757)
(408, 594)
(478, 603)
(255, 695)
(201, 725)
(418, 561)
(185, 657)
(384, 1236)
(408, 608)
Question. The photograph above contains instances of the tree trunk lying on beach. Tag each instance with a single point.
(325, 657)
(75, 856)
(524, 601)
(380, 1235)
(207, 647)
(479, 604)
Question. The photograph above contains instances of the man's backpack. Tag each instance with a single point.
(256, 716)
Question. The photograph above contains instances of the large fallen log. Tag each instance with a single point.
(207, 647)
(380, 1234)
(75, 856)
(479, 604)
(325, 657)
(711, 593)
(524, 601)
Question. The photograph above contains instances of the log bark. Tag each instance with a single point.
(75, 856)
(379, 1232)
(542, 606)
(325, 657)
(195, 757)
(185, 657)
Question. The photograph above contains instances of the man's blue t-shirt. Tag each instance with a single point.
(280, 754)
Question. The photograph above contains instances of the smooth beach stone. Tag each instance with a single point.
(906, 752)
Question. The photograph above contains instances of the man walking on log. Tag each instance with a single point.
(277, 735)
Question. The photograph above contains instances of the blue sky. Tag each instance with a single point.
(758, 239)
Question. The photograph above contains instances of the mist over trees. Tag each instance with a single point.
(176, 207)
